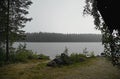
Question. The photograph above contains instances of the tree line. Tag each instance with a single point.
(59, 37)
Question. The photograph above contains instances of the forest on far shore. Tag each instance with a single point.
(59, 37)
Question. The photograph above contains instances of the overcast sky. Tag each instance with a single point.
(61, 16)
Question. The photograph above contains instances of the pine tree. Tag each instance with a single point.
(12, 20)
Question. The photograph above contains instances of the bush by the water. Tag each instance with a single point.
(42, 56)
(21, 54)
(74, 57)
(65, 59)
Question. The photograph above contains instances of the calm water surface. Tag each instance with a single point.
(52, 49)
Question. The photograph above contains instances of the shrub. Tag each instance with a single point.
(92, 54)
(2, 57)
(62, 59)
(23, 55)
(74, 57)
(42, 56)
(65, 59)
(20, 54)
(59, 61)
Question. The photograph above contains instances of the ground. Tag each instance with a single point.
(95, 68)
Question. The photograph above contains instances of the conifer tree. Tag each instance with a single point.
(12, 20)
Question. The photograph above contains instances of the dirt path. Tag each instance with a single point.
(98, 68)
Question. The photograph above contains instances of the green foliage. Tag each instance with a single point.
(21, 54)
(91, 9)
(2, 57)
(92, 54)
(65, 59)
(75, 58)
(12, 20)
(110, 40)
(42, 56)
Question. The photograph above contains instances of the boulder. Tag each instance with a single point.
(52, 64)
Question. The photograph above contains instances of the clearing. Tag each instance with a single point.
(95, 68)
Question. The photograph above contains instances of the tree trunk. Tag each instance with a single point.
(7, 34)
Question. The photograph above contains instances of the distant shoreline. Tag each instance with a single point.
(58, 37)
(60, 42)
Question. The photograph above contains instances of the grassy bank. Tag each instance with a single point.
(94, 68)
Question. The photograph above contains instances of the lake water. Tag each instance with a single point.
(52, 49)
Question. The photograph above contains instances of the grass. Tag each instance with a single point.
(94, 68)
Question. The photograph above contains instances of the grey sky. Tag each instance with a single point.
(61, 16)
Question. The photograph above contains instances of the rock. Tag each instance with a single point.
(52, 63)
(58, 61)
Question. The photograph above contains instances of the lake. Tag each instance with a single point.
(56, 48)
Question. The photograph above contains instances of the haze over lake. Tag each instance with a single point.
(56, 48)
